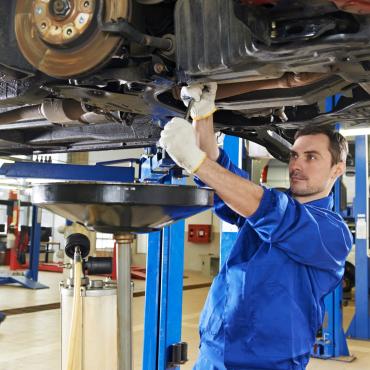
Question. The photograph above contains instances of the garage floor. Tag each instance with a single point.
(32, 340)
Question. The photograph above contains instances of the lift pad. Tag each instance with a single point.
(115, 208)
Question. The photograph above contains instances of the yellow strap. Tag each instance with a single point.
(200, 163)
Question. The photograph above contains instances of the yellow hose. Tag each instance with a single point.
(74, 360)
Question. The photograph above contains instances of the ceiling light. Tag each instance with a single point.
(355, 131)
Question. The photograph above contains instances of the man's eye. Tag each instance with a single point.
(311, 157)
(293, 155)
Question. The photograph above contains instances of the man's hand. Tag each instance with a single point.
(178, 139)
(203, 97)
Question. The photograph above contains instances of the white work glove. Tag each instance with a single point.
(178, 139)
(204, 99)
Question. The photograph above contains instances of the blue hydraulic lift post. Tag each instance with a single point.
(170, 318)
(340, 343)
(152, 287)
(33, 271)
(152, 301)
(334, 342)
(232, 146)
(31, 276)
(360, 325)
(164, 286)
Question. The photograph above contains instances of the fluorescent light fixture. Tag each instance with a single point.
(5, 160)
(355, 131)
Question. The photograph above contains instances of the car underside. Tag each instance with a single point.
(82, 75)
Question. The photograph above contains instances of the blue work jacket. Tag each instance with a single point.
(267, 303)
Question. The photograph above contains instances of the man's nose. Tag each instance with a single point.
(295, 163)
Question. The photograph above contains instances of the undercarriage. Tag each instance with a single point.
(94, 75)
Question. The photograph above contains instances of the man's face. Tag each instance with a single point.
(310, 167)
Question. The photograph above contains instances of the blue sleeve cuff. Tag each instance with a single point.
(223, 159)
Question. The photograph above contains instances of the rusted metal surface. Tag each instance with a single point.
(73, 48)
(60, 22)
(54, 110)
(288, 80)
(353, 6)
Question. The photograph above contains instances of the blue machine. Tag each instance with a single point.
(360, 326)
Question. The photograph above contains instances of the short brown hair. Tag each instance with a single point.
(338, 145)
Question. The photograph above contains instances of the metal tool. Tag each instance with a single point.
(190, 106)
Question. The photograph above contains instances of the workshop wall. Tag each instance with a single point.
(49, 219)
(197, 254)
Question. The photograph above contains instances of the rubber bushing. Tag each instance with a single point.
(77, 240)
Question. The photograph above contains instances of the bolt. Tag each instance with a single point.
(43, 25)
(69, 31)
(60, 8)
(159, 68)
(86, 4)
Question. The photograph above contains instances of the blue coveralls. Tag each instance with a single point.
(266, 304)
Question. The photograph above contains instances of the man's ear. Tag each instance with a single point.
(340, 168)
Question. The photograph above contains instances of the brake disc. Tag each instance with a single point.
(62, 39)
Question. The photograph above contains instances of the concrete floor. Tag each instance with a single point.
(31, 341)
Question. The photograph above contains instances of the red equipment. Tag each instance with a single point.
(353, 6)
(350, 6)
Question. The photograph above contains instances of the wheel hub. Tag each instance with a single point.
(61, 37)
(62, 21)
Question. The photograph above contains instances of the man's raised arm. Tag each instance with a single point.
(195, 149)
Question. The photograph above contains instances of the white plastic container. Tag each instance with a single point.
(99, 326)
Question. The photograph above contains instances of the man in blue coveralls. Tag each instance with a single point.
(266, 304)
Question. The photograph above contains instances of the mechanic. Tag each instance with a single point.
(265, 306)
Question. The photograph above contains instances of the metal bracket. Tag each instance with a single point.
(125, 29)
(67, 172)
(177, 354)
